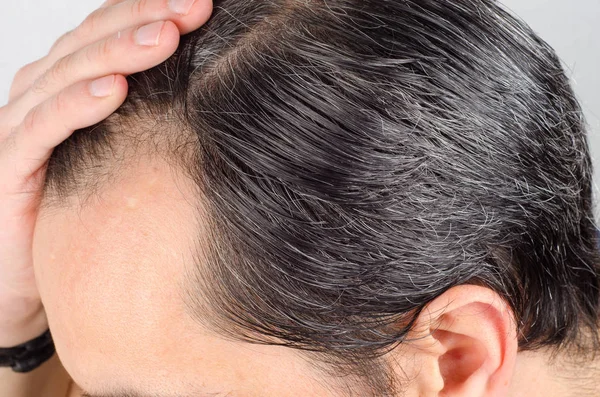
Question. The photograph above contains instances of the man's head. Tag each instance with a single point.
(383, 194)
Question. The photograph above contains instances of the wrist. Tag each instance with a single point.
(21, 328)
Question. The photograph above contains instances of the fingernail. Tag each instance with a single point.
(181, 6)
(102, 87)
(149, 34)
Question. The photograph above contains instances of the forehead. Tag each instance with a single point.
(109, 271)
(137, 228)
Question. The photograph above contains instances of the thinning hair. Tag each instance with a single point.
(355, 159)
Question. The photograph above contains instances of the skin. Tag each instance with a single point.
(110, 283)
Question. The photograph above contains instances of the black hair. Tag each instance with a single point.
(355, 159)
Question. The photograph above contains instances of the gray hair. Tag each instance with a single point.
(357, 158)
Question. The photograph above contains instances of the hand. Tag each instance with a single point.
(48, 100)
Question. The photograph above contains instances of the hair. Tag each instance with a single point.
(355, 159)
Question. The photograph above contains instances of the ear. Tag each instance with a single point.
(468, 344)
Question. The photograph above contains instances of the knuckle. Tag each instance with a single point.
(58, 105)
(139, 7)
(15, 91)
(40, 83)
(102, 50)
(99, 51)
(32, 119)
(26, 72)
(19, 80)
(62, 39)
(9, 142)
(91, 22)
(23, 71)
(61, 68)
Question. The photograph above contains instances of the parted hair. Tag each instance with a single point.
(355, 159)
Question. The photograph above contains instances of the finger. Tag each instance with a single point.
(120, 53)
(49, 123)
(109, 20)
(109, 3)
(127, 13)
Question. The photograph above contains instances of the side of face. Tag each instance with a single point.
(110, 276)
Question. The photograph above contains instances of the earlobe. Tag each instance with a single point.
(472, 342)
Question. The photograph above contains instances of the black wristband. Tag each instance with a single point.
(29, 355)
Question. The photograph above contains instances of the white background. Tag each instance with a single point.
(29, 27)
